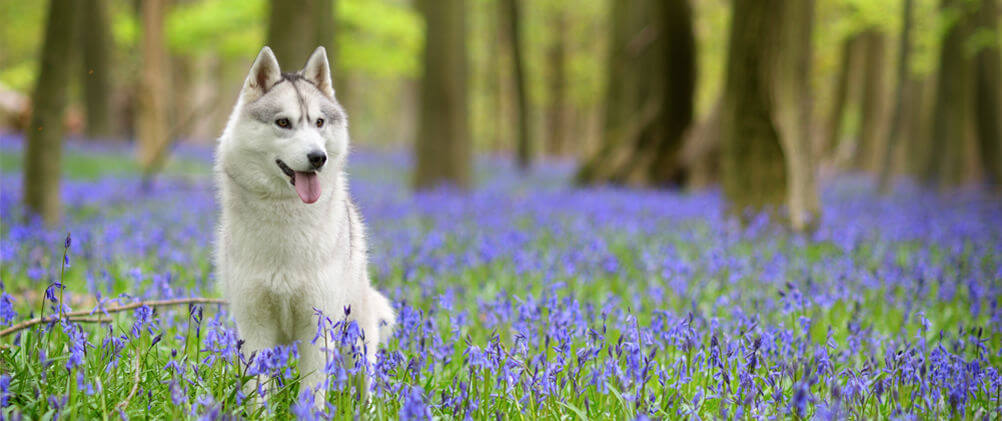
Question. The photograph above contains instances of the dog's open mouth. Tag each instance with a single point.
(306, 183)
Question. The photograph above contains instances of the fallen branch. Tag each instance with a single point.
(135, 385)
(77, 315)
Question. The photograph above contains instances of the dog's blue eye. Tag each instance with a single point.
(320, 122)
(283, 123)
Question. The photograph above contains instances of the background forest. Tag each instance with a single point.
(585, 209)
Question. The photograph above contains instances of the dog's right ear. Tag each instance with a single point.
(264, 74)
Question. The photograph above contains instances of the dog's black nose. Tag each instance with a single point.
(317, 159)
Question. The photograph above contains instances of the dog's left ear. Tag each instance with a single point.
(318, 71)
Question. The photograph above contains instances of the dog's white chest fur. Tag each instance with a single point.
(290, 242)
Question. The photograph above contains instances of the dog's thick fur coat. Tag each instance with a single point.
(279, 256)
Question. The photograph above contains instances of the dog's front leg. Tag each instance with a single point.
(258, 333)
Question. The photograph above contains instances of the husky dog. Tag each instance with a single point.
(290, 240)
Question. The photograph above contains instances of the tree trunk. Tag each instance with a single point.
(557, 63)
(296, 28)
(897, 123)
(649, 95)
(754, 173)
(868, 146)
(151, 121)
(987, 89)
(942, 166)
(793, 113)
(443, 142)
(514, 32)
(96, 39)
(43, 153)
(840, 96)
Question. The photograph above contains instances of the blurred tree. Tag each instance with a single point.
(943, 165)
(900, 84)
(152, 131)
(556, 57)
(754, 174)
(296, 28)
(987, 90)
(865, 154)
(95, 36)
(848, 63)
(793, 107)
(649, 94)
(43, 154)
(513, 19)
(443, 142)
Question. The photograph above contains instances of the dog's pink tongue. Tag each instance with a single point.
(308, 186)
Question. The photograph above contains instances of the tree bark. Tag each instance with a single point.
(297, 27)
(943, 166)
(557, 63)
(793, 113)
(847, 65)
(96, 38)
(897, 123)
(43, 152)
(987, 90)
(649, 95)
(151, 120)
(443, 142)
(753, 166)
(866, 154)
(524, 143)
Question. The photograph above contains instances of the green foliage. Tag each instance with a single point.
(379, 38)
(229, 28)
(20, 38)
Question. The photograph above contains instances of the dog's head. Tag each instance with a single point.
(288, 136)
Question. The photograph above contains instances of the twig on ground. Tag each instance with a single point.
(135, 384)
(79, 316)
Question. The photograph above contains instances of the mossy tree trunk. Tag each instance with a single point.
(96, 39)
(753, 168)
(988, 113)
(152, 120)
(649, 95)
(43, 152)
(443, 141)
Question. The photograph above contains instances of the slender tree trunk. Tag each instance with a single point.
(152, 126)
(793, 113)
(987, 90)
(524, 144)
(754, 170)
(96, 39)
(43, 154)
(840, 95)
(872, 107)
(443, 143)
(557, 112)
(904, 54)
(948, 129)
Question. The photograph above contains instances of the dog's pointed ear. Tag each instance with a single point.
(264, 73)
(318, 71)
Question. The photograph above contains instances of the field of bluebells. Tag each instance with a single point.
(523, 299)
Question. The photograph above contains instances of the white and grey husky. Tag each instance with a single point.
(290, 240)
